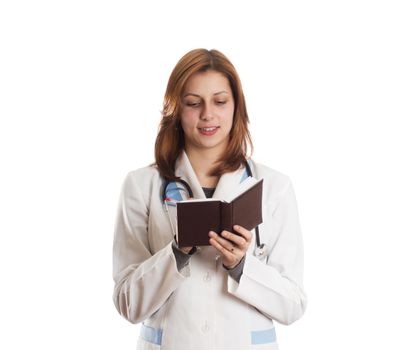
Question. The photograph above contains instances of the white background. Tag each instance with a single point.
(330, 89)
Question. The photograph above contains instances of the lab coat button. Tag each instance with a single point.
(205, 328)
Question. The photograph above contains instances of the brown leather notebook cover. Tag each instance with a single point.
(196, 218)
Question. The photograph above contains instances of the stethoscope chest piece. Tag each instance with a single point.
(261, 251)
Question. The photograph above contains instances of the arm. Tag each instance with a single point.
(275, 287)
(143, 281)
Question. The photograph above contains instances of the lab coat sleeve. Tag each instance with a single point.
(274, 287)
(143, 281)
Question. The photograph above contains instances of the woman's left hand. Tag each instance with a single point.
(231, 246)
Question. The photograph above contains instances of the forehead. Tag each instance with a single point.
(209, 82)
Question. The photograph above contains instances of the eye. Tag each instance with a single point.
(193, 103)
(221, 102)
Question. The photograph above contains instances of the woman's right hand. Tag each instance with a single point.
(186, 250)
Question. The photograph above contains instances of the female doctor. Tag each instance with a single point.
(225, 295)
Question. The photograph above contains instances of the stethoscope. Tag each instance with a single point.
(260, 249)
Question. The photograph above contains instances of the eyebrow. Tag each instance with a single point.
(216, 93)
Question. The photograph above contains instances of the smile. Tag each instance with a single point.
(208, 131)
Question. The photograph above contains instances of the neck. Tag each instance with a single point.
(203, 162)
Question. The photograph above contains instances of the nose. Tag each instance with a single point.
(207, 113)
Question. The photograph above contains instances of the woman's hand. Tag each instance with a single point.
(186, 250)
(232, 247)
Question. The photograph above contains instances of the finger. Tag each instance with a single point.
(235, 239)
(244, 232)
(186, 249)
(229, 259)
(226, 253)
(222, 241)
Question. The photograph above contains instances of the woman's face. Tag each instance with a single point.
(207, 108)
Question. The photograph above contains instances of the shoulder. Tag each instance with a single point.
(272, 178)
(142, 179)
(277, 185)
(143, 174)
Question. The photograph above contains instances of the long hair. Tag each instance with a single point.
(170, 138)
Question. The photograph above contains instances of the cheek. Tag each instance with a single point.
(188, 120)
(228, 117)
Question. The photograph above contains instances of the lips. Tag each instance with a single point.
(211, 128)
(208, 131)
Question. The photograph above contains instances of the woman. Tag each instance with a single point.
(222, 296)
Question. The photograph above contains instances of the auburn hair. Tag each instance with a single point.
(170, 139)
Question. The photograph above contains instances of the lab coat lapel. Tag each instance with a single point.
(185, 171)
(228, 183)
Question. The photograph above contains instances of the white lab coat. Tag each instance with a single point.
(201, 307)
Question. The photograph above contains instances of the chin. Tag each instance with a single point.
(213, 145)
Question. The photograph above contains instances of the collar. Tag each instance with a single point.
(227, 182)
